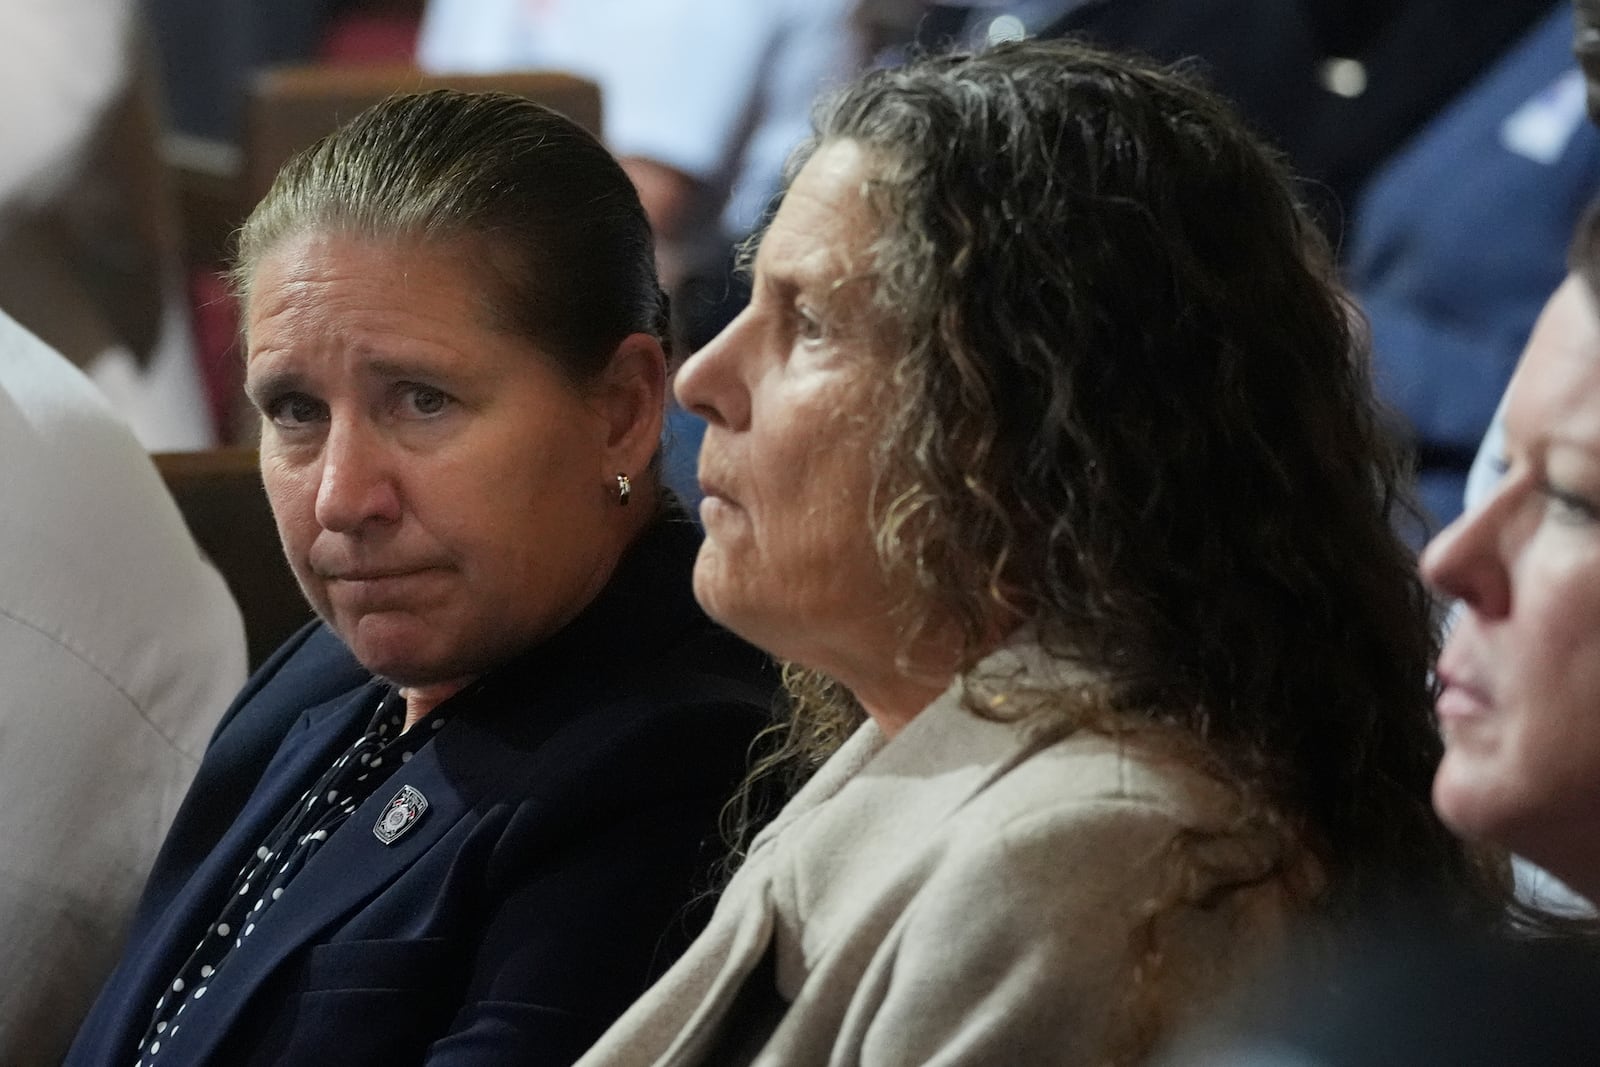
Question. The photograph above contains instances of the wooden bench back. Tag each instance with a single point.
(220, 495)
(289, 108)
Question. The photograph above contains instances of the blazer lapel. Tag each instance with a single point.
(468, 761)
(680, 1020)
(350, 869)
(867, 809)
(307, 750)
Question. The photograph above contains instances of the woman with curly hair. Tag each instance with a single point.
(1045, 454)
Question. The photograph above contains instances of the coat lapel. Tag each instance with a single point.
(469, 760)
(680, 1020)
(352, 868)
(516, 709)
(311, 745)
(866, 812)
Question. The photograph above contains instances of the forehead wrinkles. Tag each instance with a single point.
(825, 212)
(817, 242)
(831, 269)
(280, 313)
(326, 292)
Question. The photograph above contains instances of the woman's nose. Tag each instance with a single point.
(356, 486)
(1464, 561)
(708, 384)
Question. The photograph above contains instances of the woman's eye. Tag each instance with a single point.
(1570, 507)
(808, 325)
(424, 401)
(294, 409)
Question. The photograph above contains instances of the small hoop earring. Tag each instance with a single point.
(624, 490)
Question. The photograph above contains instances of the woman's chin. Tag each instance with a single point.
(397, 647)
(1470, 799)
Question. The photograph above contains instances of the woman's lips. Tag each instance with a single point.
(711, 487)
(713, 495)
(1460, 701)
(373, 588)
(713, 508)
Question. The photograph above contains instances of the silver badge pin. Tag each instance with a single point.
(401, 814)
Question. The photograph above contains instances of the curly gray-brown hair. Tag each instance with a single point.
(1131, 408)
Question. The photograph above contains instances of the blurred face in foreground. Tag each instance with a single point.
(793, 394)
(445, 495)
(1520, 709)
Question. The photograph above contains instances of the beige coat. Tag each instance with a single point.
(962, 896)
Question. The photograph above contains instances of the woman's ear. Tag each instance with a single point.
(631, 397)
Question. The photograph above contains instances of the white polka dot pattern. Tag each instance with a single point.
(311, 819)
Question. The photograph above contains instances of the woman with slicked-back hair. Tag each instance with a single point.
(459, 818)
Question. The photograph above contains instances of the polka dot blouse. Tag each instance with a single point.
(289, 846)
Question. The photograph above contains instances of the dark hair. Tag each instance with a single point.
(1131, 407)
(559, 221)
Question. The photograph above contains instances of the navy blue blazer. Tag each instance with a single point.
(573, 795)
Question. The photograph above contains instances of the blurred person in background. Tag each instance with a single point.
(1444, 137)
(702, 99)
(119, 647)
(209, 50)
(1046, 455)
(1586, 46)
(1339, 85)
(462, 817)
(1457, 241)
(88, 234)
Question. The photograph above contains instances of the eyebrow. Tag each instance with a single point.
(290, 379)
(273, 383)
(399, 367)
(781, 287)
(809, 277)
(798, 271)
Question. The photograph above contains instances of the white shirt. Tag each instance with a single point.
(60, 69)
(718, 89)
(119, 649)
(63, 65)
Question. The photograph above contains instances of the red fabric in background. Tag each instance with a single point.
(370, 37)
(216, 335)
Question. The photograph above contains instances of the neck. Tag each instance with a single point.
(894, 705)
(421, 699)
(893, 690)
